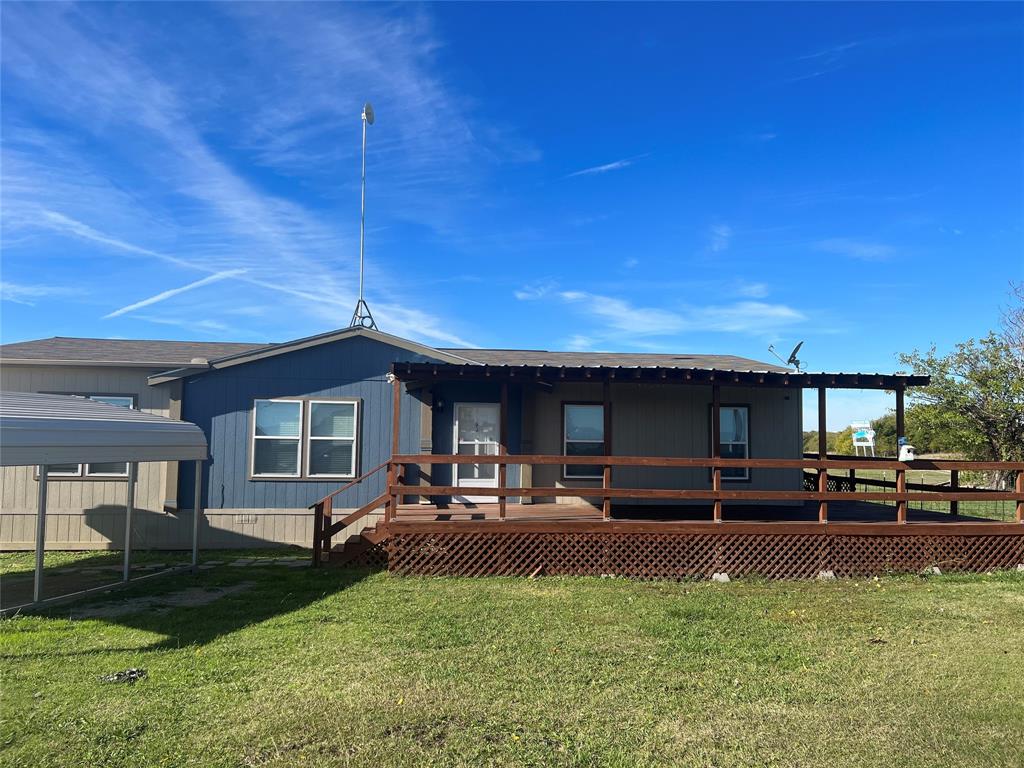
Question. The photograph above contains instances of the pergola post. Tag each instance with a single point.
(822, 455)
(606, 472)
(197, 504)
(129, 507)
(37, 587)
(503, 447)
(391, 510)
(716, 447)
(901, 474)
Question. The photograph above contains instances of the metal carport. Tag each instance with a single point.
(43, 430)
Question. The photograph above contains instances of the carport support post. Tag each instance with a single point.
(129, 507)
(37, 588)
(196, 511)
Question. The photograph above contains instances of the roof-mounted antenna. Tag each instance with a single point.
(362, 316)
(793, 361)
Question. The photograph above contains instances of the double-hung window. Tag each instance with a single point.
(277, 438)
(734, 439)
(99, 469)
(332, 438)
(583, 435)
(305, 439)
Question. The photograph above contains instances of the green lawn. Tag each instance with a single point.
(341, 667)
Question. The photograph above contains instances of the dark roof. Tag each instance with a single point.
(64, 349)
(539, 357)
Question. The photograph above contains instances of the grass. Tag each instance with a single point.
(352, 668)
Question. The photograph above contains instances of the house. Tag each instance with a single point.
(289, 423)
(472, 461)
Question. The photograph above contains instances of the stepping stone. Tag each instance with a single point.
(214, 562)
(207, 566)
(239, 563)
(299, 564)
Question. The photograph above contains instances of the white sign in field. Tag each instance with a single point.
(863, 438)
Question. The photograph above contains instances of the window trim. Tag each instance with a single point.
(604, 418)
(83, 474)
(308, 438)
(749, 453)
(297, 438)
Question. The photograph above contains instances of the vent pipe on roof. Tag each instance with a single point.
(362, 317)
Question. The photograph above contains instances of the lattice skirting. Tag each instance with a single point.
(695, 555)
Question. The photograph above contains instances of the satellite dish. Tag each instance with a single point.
(368, 112)
(792, 360)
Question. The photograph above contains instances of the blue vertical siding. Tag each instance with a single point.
(221, 403)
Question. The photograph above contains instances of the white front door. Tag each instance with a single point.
(476, 434)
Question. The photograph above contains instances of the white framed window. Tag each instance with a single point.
(277, 438)
(331, 438)
(110, 468)
(582, 435)
(734, 439)
(115, 469)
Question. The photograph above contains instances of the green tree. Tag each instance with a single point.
(976, 396)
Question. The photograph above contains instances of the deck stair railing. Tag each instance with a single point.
(325, 527)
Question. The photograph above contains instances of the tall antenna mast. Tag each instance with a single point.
(362, 316)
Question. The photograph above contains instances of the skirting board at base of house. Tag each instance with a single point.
(221, 529)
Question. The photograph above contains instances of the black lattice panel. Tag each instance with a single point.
(697, 555)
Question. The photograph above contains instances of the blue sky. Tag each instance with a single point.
(677, 178)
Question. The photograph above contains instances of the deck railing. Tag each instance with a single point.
(902, 495)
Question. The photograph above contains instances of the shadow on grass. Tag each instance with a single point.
(194, 610)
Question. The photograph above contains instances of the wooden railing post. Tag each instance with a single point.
(954, 485)
(823, 488)
(318, 527)
(1019, 487)
(325, 517)
(901, 487)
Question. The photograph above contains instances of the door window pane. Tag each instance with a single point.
(477, 423)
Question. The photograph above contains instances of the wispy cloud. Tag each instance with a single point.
(619, 315)
(20, 293)
(534, 291)
(719, 237)
(171, 292)
(752, 290)
(615, 165)
(137, 166)
(856, 249)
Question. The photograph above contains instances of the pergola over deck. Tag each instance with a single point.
(669, 370)
(557, 538)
